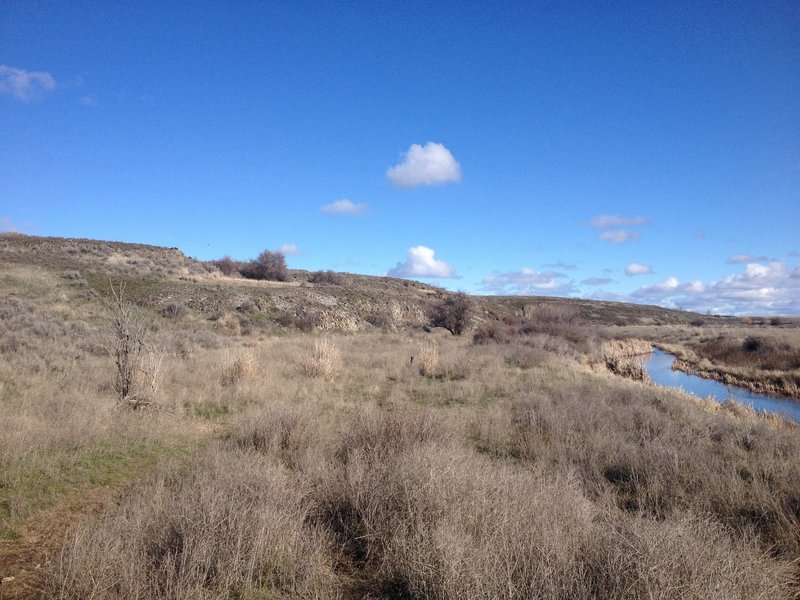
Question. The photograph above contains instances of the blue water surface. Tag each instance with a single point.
(659, 366)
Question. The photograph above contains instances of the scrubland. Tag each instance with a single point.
(507, 462)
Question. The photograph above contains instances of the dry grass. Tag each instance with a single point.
(322, 361)
(428, 359)
(238, 367)
(510, 470)
(226, 523)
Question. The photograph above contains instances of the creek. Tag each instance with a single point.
(659, 367)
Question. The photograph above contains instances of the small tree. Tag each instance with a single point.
(269, 265)
(453, 313)
(138, 364)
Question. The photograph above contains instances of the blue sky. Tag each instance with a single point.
(645, 152)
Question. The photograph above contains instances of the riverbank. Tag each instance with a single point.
(781, 383)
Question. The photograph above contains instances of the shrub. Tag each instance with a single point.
(138, 362)
(322, 361)
(174, 311)
(234, 369)
(325, 278)
(227, 265)
(269, 266)
(453, 313)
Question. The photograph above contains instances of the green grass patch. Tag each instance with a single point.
(40, 487)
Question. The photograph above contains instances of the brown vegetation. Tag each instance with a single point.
(283, 466)
(268, 265)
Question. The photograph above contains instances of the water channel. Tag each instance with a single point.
(659, 366)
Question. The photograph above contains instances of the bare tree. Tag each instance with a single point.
(138, 363)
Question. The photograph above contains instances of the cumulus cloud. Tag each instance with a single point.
(526, 282)
(25, 85)
(430, 164)
(634, 269)
(596, 281)
(619, 236)
(743, 259)
(773, 288)
(421, 262)
(344, 207)
(289, 250)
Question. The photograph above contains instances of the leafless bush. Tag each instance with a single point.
(322, 360)
(174, 311)
(453, 312)
(421, 516)
(304, 319)
(138, 362)
(268, 266)
(227, 523)
(325, 278)
(278, 430)
(752, 352)
(227, 266)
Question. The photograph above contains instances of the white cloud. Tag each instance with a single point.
(25, 85)
(634, 269)
(743, 259)
(619, 236)
(767, 289)
(289, 250)
(430, 164)
(526, 282)
(344, 207)
(421, 262)
(612, 221)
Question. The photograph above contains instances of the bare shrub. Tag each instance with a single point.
(138, 362)
(303, 318)
(752, 352)
(227, 266)
(230, 322)
(228, 523)
(428, 359)
(420, 516)
(325, 278)
(453, 312)
(281, 431)
(322, 360)
(237, 368)
(268, 266)
(174, 311)
(559, 321)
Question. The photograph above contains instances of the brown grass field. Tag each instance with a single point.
(312, 439)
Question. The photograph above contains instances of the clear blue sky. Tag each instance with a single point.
(643, 151)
